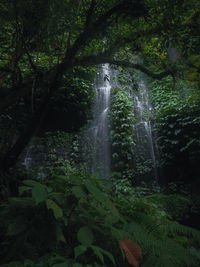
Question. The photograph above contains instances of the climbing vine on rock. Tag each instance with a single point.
(121, 134)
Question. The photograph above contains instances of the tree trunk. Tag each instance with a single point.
(9, 159)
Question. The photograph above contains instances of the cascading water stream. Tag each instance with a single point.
(28, 158)
(99, 148)
(143, 127)
(145, 149)
(101, 155)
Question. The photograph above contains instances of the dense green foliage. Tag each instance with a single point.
(122, 134)
(176, 120)
(75, 96)
(177, 112)
(57, 214)
(71, 219)
(178, 130)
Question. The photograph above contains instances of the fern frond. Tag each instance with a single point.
(176, 228)
(158, 248)
(148, 222)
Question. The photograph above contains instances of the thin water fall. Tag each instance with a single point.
(101, 140)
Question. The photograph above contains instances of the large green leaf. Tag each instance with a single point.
(59, 234)
(58, 197)
(57, 211)
(85, 236)
(112, 208)
(22, 189)
(74, 179)
(78, 192)
(39, 193)
(96, 193)
(79, 250)
(31, 183)
(98, 253)
(110, 219)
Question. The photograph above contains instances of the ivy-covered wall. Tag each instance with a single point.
(121, 134)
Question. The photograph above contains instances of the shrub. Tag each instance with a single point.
(73, 220)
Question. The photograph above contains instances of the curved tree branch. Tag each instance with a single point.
(89, 32)
(102, 59)
(100, 25)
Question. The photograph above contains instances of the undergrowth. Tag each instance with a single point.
(71, 219)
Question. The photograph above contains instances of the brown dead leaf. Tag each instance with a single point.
(132, 251)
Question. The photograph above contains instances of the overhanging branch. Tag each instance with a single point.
(102, 59)
(100, 24)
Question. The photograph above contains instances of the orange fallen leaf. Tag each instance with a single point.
(132, 251)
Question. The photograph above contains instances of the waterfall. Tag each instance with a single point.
(145, 144)
(101, 150)
(27, 162)
(145, 153)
